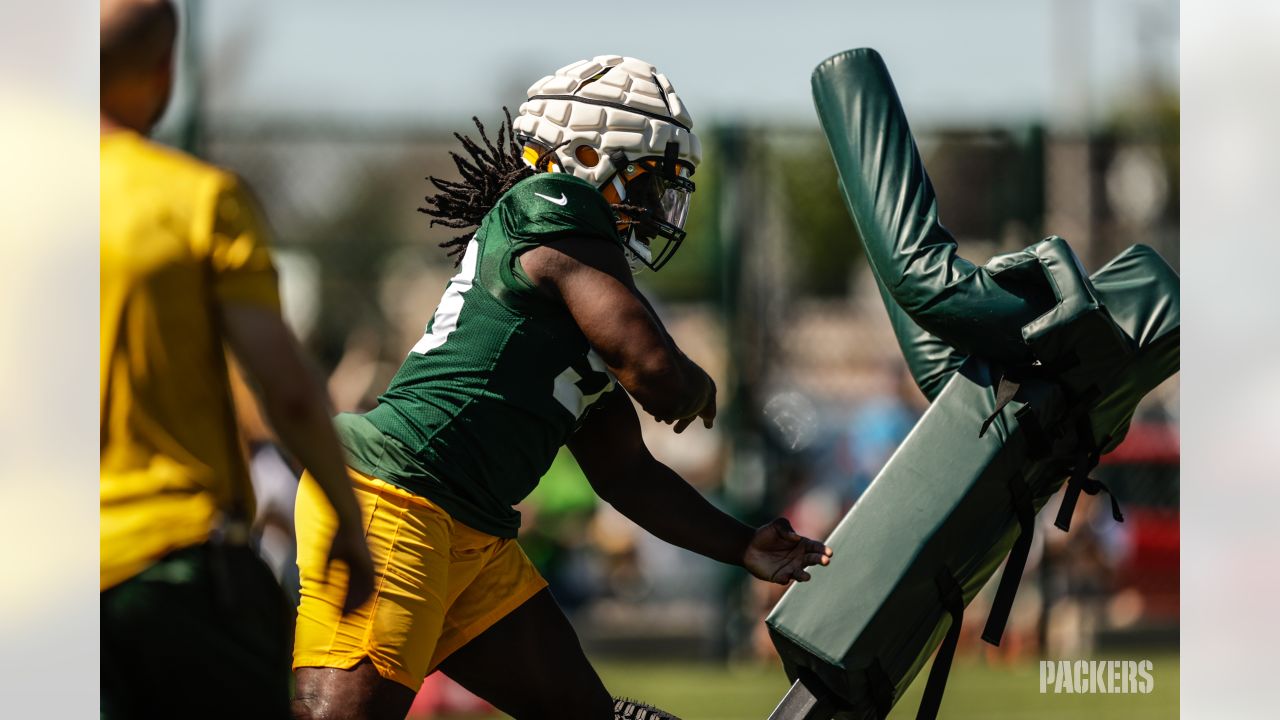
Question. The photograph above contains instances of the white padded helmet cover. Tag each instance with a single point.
(589, 103)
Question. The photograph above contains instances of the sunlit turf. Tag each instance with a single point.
(975, 690)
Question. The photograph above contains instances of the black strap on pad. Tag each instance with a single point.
(1079, 481)
(1005, 392)
(881, 688)
(1016, 563)
(953, 601)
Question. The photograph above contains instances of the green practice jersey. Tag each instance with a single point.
(502, 375)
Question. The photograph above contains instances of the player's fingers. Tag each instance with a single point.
(680, 426)
(816, 559)
(814, 546)
(801, 576)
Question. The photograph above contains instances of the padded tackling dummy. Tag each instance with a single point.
(1034, 370)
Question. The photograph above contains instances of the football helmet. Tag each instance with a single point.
(617, 123)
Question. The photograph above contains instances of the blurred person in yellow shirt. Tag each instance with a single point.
(192, 622)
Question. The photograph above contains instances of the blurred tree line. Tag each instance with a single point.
(985, 179)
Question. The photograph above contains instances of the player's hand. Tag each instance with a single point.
(707, 411)
(349, 547)
(779, 554)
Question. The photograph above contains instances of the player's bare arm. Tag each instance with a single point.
(620, 468)
(592, 278)
(293, 400)
(680, 425)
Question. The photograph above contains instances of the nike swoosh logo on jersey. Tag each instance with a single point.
(562, 200)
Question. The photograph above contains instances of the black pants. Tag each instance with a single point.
(205, 632)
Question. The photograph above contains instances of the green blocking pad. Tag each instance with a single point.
(943, 307)
(1048, 362)
(945, 504)
(864, 625)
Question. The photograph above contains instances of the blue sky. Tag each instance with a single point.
(406, 62)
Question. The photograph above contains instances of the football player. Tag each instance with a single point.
(541, 339)
(192, 622)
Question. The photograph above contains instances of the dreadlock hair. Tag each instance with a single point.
(491, 171)
(636, 213)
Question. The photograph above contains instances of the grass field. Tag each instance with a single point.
(975, 690)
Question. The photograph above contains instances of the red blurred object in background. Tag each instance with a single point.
(440, 696)
(1143, 472)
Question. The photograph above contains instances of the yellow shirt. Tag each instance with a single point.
(179, 238)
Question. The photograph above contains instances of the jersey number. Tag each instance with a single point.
(575, 388)
(445, 320)
(577, 391)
